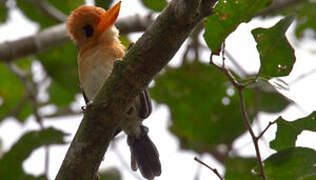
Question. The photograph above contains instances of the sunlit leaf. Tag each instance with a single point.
(238, 168)
(11, 162)
(61, 65)
(228, 14)
(293, 163)
(155, 5)
(276, 54)
(110, 174)
(287, 131)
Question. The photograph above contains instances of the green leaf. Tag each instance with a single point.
(105, 4)
(11, 162)
(276, 54)
(110, 174)
(228, 14)
(13, 94)
(155, 5)
(291, 164)
(287, 132)
(61, 65)
(239, 168)
(4, 11)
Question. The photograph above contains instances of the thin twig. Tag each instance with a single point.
(212, 169)
(240, 88)
(253, 136)
(265, 129)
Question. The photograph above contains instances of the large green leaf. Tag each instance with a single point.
(276, 54)
(3, 11)
(13, 94)
(205, 110)
(287, 132)
(110, 174)
(105, 4)
(155, 5)
(291, 164)
(228, 14)
(11, 162)
(238, 168)
(61, 65)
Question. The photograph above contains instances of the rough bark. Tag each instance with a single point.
(147, 57)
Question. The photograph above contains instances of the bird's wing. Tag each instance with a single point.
(145, 104)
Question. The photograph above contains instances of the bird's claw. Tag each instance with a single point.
(84, 108)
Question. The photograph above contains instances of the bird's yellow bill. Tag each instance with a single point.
(108, 18)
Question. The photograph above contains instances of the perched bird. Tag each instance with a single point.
(92, 30)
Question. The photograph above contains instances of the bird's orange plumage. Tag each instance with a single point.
(97, 52)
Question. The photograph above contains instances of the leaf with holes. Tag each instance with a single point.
(227, 16)
(287, 131)
(276, 54)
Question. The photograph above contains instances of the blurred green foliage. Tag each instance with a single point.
(61, 65)
(11, 162)
(3, 11)
(110, 174)
(12, 92)
(201, 98)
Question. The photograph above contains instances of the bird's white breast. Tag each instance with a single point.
(94, 69)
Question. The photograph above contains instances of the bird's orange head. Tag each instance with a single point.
(88, 25)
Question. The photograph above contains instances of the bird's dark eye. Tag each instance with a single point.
(88, 30)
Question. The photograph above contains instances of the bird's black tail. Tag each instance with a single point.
(144, 155)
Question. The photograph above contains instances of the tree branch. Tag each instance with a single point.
(57, 35)
(144, 60)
